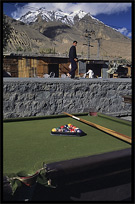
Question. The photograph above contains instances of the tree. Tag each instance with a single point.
(6, 31)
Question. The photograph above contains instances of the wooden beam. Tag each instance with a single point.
(106, 130)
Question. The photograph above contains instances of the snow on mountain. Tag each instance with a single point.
(78, 13)
(29, 17)
(59, 15)
(67, 18)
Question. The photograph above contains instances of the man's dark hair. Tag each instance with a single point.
(75, 41)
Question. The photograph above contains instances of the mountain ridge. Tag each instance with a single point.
(58, 15)
(58, 30)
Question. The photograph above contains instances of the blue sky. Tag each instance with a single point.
(116, 15)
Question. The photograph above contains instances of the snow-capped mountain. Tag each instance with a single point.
(59, 15)
(49, 29)
(67, 18)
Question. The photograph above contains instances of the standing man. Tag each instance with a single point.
(73, 60)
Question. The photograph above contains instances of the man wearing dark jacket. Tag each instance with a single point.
(73, 59)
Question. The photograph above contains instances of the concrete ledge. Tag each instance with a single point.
(56, 80)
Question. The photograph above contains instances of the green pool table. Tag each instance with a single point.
(28, 146)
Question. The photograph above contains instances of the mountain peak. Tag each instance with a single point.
(67, 18)
(42, 35)
(41, 8)
(58, 15)
(59, 10)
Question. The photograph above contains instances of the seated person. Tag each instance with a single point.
(90, 73)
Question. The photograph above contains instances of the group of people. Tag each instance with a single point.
(73, 60)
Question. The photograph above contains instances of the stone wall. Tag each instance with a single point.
(24, 97)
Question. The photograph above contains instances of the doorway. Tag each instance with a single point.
(53, 68)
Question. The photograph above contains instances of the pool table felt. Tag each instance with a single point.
(27, 144)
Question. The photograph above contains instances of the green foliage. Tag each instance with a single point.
(65, 53)
(16, 183)
(19, 49)
(6, 31)
(47, 51)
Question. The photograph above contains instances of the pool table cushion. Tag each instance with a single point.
(94, 166)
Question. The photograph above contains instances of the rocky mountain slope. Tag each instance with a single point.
(48, 31)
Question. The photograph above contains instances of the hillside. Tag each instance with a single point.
(40, 32)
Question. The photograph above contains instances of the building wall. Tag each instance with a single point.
(42, 67)
(129, 71)
(11, 65)
(27, 67)
(24, 97)
(64, 69)
(31, 66)
(23, 67)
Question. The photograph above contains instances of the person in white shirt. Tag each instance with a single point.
(91, 73)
